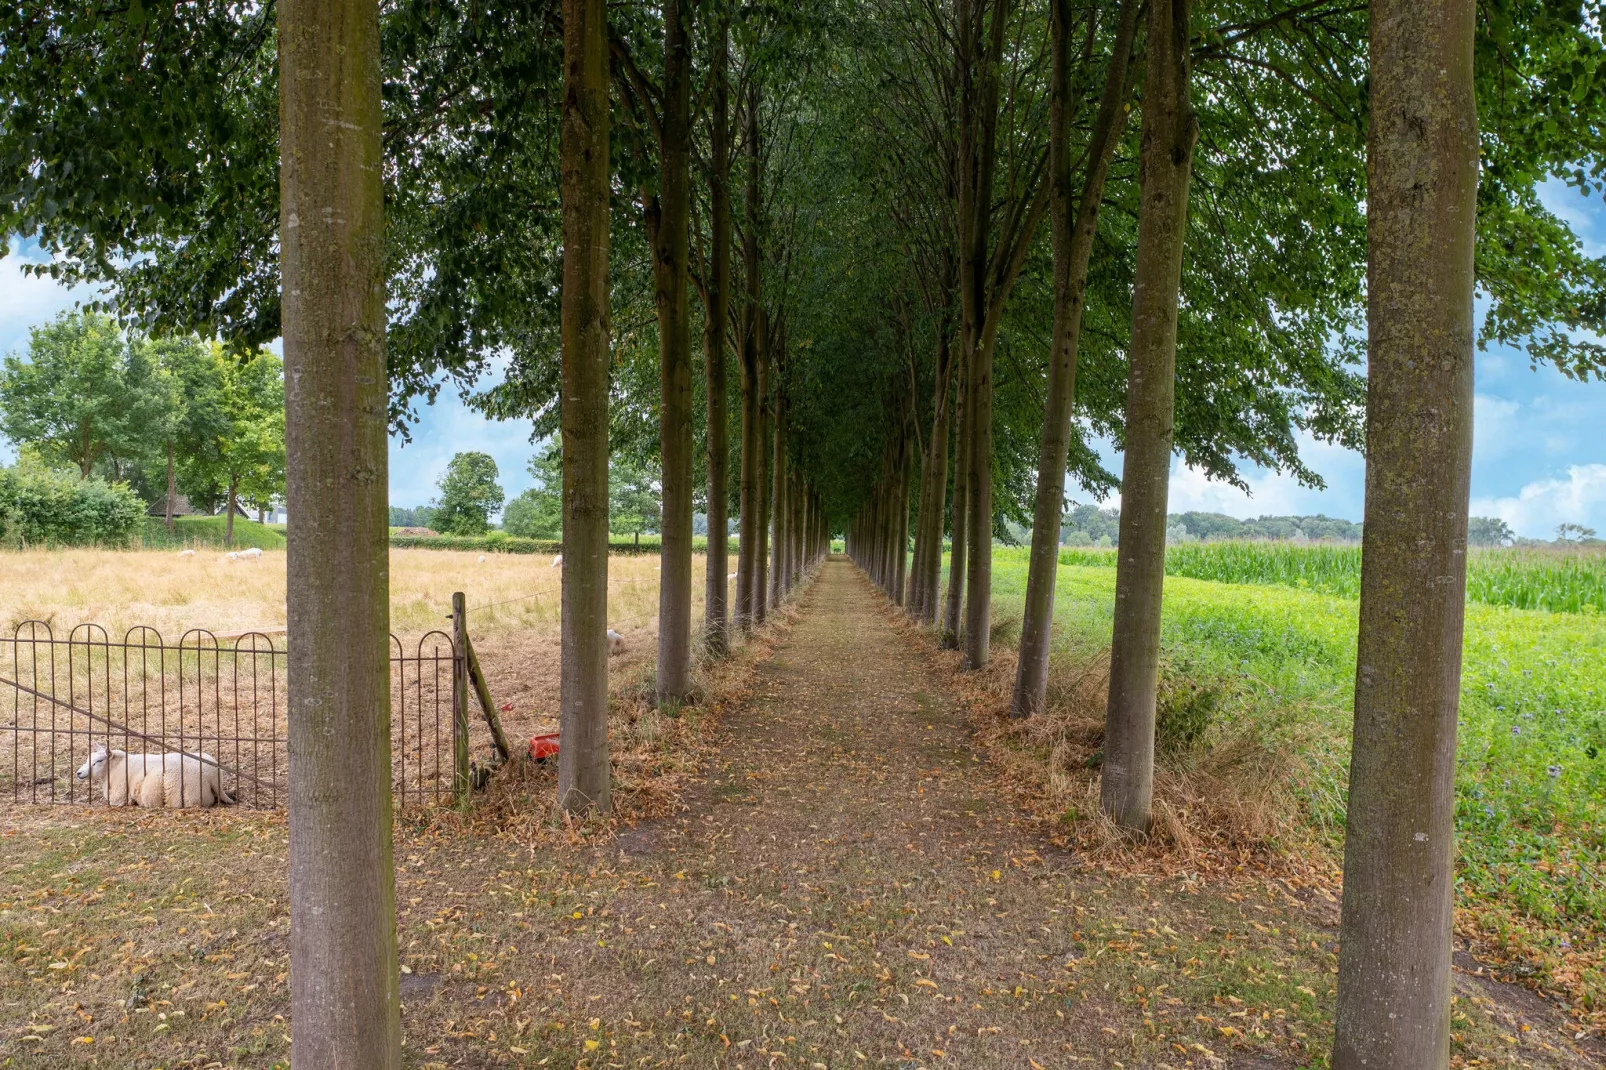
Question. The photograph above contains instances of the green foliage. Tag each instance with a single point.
(85, 396)
(537, 513)
(419, 517)
(469, 495)
(1489, 531)
(1189, 702)
(1557, 580)
(635, 503)
(503, 543)
(44, 507)
(191, 532)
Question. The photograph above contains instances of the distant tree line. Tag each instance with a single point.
(1090, 525)
(470, 496)
(162, 416)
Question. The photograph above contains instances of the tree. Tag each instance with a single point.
(1489, 531)
(634, 500)
(345, 1006)
(469, 495)
(1073, 248)
(716, 300)
(583, 771)
(1169, 131)
(232, 427)
(83, 396)
(1573, 533)
(537, 513)
(1399, 846)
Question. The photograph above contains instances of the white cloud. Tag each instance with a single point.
(30, 300)
(1540, 506)
(1273, 493)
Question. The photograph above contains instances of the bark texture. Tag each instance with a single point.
(672, 281)
(583, 772)
(1422, 181)
(716, 615)
(1169, 133)
(953, 602)
(1073, 248)
(753, 357)
(345, 1008)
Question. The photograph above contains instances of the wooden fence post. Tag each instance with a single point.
(461, 785)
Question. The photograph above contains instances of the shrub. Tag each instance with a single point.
(43, 507)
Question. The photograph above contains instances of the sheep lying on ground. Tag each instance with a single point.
(186, 553)
(557, 562)
(155, 780)
(616, 643)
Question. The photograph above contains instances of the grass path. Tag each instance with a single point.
(849, 887)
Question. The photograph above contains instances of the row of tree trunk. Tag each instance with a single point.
(1394, 975)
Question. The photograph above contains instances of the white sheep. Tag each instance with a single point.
(253, 553)
(480, 559)
(616, 643)
(186, 553)
(557, 562)
(232, 555)
(732, 576)
(155, 780)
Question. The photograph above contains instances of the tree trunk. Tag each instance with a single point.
(1166, 163)
(979, 487)
(753, 356)
(674, 352)
(926, 572)
(1073, 247)
(345, 1009)
(172, 487)
(956, 558)
(583, 769)
(778, 506)
(761, 558)
(1422, 181)
(716, 617)
(231, 507)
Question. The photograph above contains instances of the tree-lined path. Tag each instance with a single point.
(852, 887)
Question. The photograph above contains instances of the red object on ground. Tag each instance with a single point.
(543, 747)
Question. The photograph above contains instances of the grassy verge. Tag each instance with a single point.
(1273, 666)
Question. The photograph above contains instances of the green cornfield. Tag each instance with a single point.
(1560, 580)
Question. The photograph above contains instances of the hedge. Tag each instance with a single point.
(207, 531)
(40, 507)
(498, 542)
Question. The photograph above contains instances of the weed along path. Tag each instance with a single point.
(847, 885)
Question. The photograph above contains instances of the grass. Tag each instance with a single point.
(1560, 580)
(506, 593)
(1279, 660)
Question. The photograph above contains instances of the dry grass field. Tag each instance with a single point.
(513, 607)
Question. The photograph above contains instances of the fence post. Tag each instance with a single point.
(461, 787)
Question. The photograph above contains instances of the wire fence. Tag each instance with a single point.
(142, 721)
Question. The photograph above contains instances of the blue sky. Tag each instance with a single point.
(1539, 457)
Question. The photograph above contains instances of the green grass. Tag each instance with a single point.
(1560, 580)
(207, 531)
(1531, 750)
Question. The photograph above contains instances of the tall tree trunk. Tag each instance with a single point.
(1073, 247)
(1422, 182)
(716, 617)
(926, 572)
(583, 771)
(954, 601)
(231, 507)
(345, 1008)
(979, 488)
(1169, 132)
(674, 361)
(172, 487)
(754, 345)
(778, 507)
(766, 429)
(900, 538)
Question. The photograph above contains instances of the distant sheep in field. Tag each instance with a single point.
(480, 559)
(186, 553)
(231, 556)
(253, 553)
(155, 780)
(616, 643)
(557, 562)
